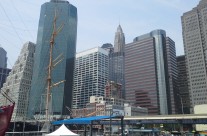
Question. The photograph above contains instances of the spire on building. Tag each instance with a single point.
(119, 29)
(116, 62)
(119, 40)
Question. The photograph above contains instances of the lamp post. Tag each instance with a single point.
(181, 100)
(110, 121)
(111, 113)
(181, 125)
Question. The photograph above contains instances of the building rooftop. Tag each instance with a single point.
(59, 1)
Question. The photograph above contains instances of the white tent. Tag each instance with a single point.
(62, 131)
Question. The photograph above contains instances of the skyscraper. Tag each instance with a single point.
(119, 41)
(90, 75)
(18, 83)
(195, 45)
(3, 58)
(150, 71)
(63, 54)
(109, 47)
(116, 60)
(183, 95)
(171, 73)
(4, 72)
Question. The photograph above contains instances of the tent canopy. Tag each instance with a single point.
(62, 131)
(87, 120)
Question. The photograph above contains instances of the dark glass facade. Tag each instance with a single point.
(183, 97)
(116, 73)
(140, 75)
(150, 72)
(172, 75)
(4, 72)
(65, 44)
(3, 58)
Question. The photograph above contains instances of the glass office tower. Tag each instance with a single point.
(183, 95)
(65, 44)
(150, 72)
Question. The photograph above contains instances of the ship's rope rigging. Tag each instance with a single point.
(10, 31)
(17, 30)
(12, 25)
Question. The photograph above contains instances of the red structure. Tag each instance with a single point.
(113, 89)
(5, 117)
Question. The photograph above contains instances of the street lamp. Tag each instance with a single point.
(110, 121)
(181, 100)
(111, 113)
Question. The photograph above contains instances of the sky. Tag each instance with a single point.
(97, 21)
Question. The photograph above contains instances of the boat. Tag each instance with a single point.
(6, 114)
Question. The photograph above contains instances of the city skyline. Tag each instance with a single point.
(20, 21)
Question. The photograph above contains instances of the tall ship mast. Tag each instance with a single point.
(51, 65)
(46, 58)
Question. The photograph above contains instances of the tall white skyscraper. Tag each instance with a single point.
(90, 75)
(18, 83)
(195, 44)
